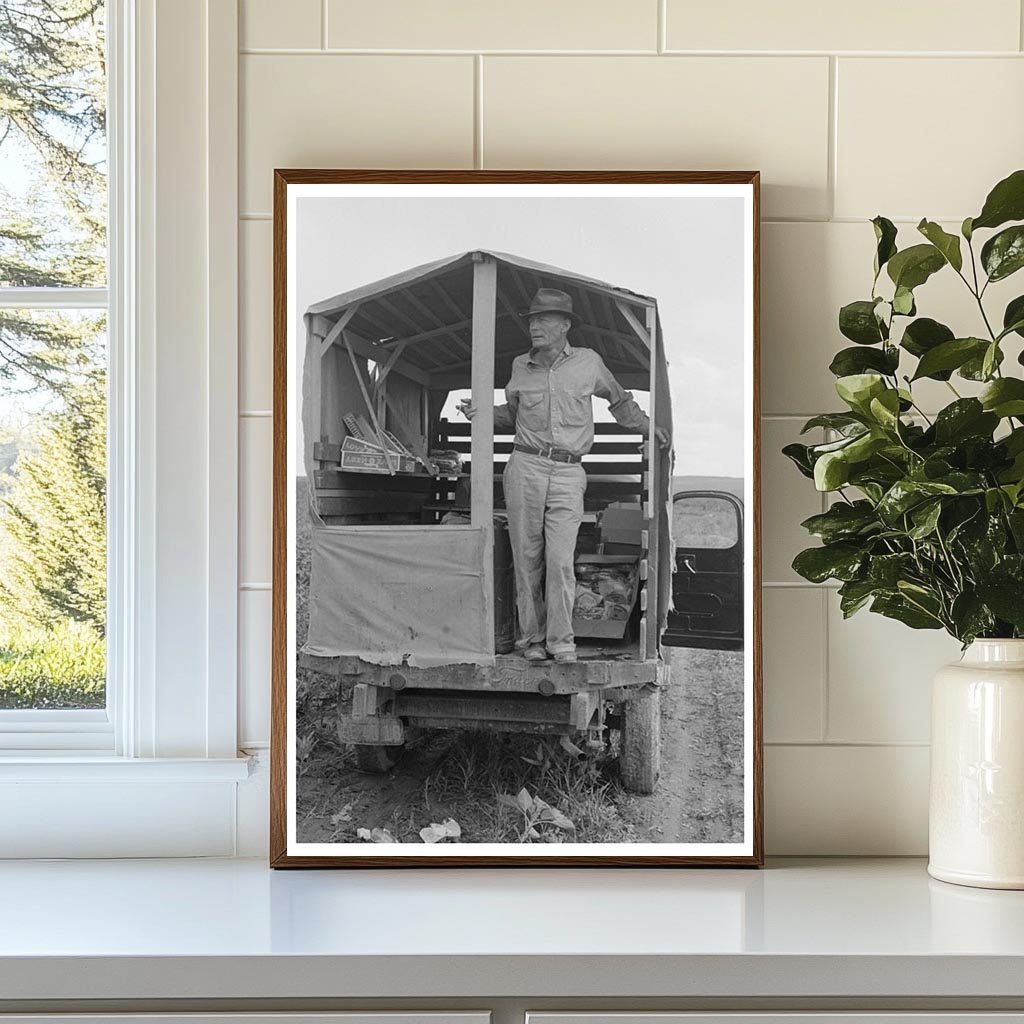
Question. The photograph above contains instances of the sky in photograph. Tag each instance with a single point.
(685, 252)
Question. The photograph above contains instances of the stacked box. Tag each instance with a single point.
(606, 590)
(359, 456)
(621, 529)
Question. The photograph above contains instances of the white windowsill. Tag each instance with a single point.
(200, 930)
(78, 766)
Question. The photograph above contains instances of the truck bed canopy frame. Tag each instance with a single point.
(456, 321)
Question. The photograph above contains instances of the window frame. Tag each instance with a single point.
(93, 729)
(163, 720)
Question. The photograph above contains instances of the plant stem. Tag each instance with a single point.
(924, 415)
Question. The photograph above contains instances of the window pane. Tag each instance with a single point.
(704, 523)
(53, 150)
(52, 509)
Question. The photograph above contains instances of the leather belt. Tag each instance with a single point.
(556, 454)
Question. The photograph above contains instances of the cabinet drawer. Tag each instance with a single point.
(785, 1017)
(357, 1017)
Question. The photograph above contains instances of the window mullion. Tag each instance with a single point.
(53, 298)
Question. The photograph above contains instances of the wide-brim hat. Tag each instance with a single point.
(551, 300)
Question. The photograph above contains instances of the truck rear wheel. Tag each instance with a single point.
(640, 756)
(377, 758)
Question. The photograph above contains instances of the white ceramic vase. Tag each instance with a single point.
(976, 813)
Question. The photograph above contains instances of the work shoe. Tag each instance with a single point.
(535, 652)
(565, 658)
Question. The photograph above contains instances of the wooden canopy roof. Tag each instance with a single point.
(420, 321)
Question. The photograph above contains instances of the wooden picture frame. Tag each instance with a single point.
(435, 327)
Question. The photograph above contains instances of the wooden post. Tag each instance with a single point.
(654, 501)
(485, 288)
(315, 354)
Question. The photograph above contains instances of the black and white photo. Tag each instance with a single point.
(516, 614)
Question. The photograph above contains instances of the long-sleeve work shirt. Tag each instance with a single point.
(549, 406)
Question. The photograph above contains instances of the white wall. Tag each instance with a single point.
(906, 109)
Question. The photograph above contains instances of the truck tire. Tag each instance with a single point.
(640, 755)
(377, 759)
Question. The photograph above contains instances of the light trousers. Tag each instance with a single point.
(544, 500)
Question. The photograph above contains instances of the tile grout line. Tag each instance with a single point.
(854, 744)
(256, 215)
(323, 24)
(662, 26)
(832, 146)
(824, 723)
(1020, 26)
(826, 649)
(478, 111)
(768, 55)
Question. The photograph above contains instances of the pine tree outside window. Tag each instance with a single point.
(53, 367)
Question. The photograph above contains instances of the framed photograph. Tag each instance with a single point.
(516, 614)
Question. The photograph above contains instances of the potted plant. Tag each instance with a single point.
(927, 521)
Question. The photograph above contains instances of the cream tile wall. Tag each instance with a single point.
(909, 109)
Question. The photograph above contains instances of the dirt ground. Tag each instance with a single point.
(473, 778)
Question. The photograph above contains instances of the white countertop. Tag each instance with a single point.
(234, 928)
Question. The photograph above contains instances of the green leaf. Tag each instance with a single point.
(817, 450)
(981, 538)
(990, 360)
(922, 597)
(887, 570)
(923, 335)
(1005, 202)
(842, 521)
(904, 495)
(885, 409)
(949, 355)
(1014, 441)
(854, 595)
(1015, 518)
(885, 237)
(903, 302)
(966, 417)
(858, 389)
(897, 607)
(1003, 254)
(912, 267)
(994, 499)
(857, 321)
(965, 229)
(947, 244)
(925, 518)
(1004, 397)
(831, 471)
(799, 455)
(840, 561)
(849, 361)
(971, 617)
(841, 421)
(1005, 596)
(886, 470)
(963, 482)
(866, 445)
(1013, 317)
(974, 368)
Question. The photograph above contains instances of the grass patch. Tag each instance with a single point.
(481, 771)
(60, 667)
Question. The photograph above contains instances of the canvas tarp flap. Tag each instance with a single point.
(399, 594)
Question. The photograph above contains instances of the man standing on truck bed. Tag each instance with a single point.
(549, 409)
